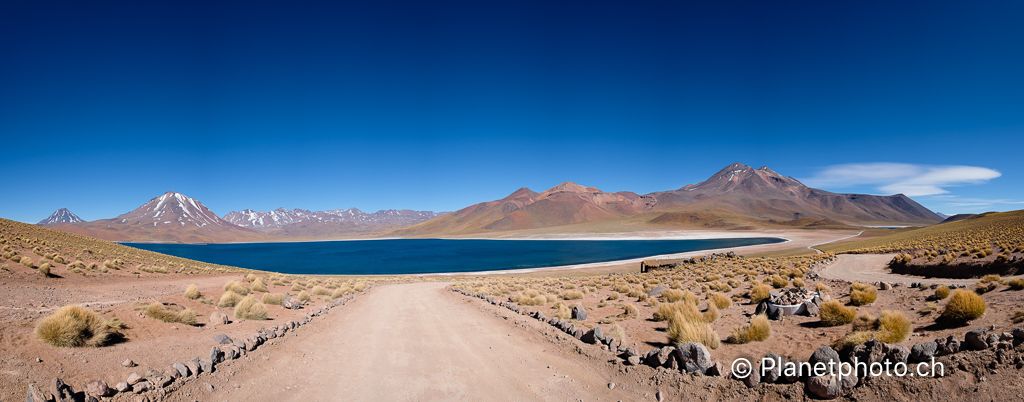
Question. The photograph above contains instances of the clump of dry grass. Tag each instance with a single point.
(229, 299)
(964, 306)
(250, 309)
(672, 295)
(941, 293)
(823, 288)
(862, 294)
(759, 292)
(303, 296)
(711, 314)
(893, 327)
(192, 292)
(834, 313)
(562, 311)
(682, 330)
(273, 298)
(337, 293)
(629, 311)
(298, 286)
(236, 287)
(617, 332)
(1018, 317)
(320, 291)
(44, 269)
(164, 313)
(1016, 284)
(757, 330)
(572, 295)
(259, 285)
(778, 282)
(250, 278)
(74, 326)
(721, 300)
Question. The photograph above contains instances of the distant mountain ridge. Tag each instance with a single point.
(62, 215)
(305, 223)
(734, 197)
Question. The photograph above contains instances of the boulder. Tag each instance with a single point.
(778, 315)
(761, 308)
(872, 351)
(656, 291)
(947, 346)
(99, 389)
(693, 357)
(898, 354)
(35, 394)
(134, 378)
(182, 369)
(812, 309)
(753, 379)
(992, 339)
(776, 371)
(143, 386)
(61, 391)
(171, 372)
(593, 336)
(652, 359)
(923, 352)
(194, 367)
(122, 386)
(206, 365)
(716, 369)
(216, 355)
(161, 381)
(633, 360)
(128, 363)
(218, 318)
(977, 339)
(579, 313)
(222, 339)
(231, 353)
(825, 355)
(1018, 333)
(831, 386)
(884, 286)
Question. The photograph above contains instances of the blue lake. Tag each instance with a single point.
(420, 256)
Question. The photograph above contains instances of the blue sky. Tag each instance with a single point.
(439, 105)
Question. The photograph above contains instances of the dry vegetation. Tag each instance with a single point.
(73, 326)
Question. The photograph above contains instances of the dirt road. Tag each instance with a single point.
(414, 342)
(875, 268)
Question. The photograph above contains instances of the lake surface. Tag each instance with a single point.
(420, 256)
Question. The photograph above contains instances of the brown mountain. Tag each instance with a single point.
(171, 217)
(735, 197)
(764, 194)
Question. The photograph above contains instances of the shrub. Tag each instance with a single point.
(865, 322)
(757, 330)
(613, 296)
(759, 292)
(617, 332)
(273, 298)
(237, 287)
(320, 291)
(682, 330)
(672, 295)
(562, 311)
(74, 326)
(359, 287)
(297, 287)
(834, 313)
(250, 309)
(629, 311)
(983, 287)
(337, 293)
(779, 282)
(251, 277)
(229, 299)
(711, 314)
(45, 269)
(893, 327)
(667, 310)
(27, 261)
(798, 282)
(963, 306)
(941, 293)
(1018, 317)
(192, 292)
(721, 300)
(164, 313)
(572, 295)
(1016, 284)
(689, 298)
(991, 278)
(852, 339)
(303, 296)
(259, 286)
(862, 294)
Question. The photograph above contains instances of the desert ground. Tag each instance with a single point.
(414, 338)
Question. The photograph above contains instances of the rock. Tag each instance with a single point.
(122, 386)
(693, 357)
(209, 387)
(872, 351)
(161, 381)
(290, 303)
(753, 379)
(898, 354)
(579, 313)
(231, 353)
(128, 363)
(61, 391)
(776, 370)
(194, 367)
(652, 358)
(948, 346)
(778, 315)
(992, 339)
(825, 355)
(716, 369)
(99, 388)
(218, 318)
(171, 372)
(142, 386)
(659, 396)
(630, 352)
(152, 373)
(593, 336)
(812, 309)
(977, 339)
(206, 365)
(35, 394)
(633, 360)
(761, 308)
(134, 378)
(182, 369)
(1018, 333)
(216, 355)
(656, 291)
(611, 385)
(1005, 336)
(578, 333)
(923, 352)
(884, 286)
(222, 339)
(831, 386)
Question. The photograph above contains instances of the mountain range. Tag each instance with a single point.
(736, 198)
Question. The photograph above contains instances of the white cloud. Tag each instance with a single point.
(901, 178)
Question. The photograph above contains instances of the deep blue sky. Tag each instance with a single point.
(438, 105)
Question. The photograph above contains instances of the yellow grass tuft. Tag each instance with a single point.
(862, 294)
(572, 295)
(259, 285)
(757, 330)
(303, 296)
(759, 292)
(964, 306)
(834, 313)
(192, 292)
(672, 295)
(320, 291)
(164, 313)
(273, 298)
(74, 326)
(941, 293)
(229, 299)
(682, 330)
(237, 287)
(250, 309)
(721, 300)
(893, 327)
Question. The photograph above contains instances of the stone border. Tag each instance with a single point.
(225, 349)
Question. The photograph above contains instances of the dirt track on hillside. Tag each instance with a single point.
(870, 268)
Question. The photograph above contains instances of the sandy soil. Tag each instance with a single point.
(875, 268)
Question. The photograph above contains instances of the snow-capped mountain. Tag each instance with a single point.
(61, 216)
(281, 217)
(173, 208)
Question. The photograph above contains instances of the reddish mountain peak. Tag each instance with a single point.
(572, 187)
(520, 193)
(173, 208)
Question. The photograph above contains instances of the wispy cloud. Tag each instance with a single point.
(975, 202)
(901, 178)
